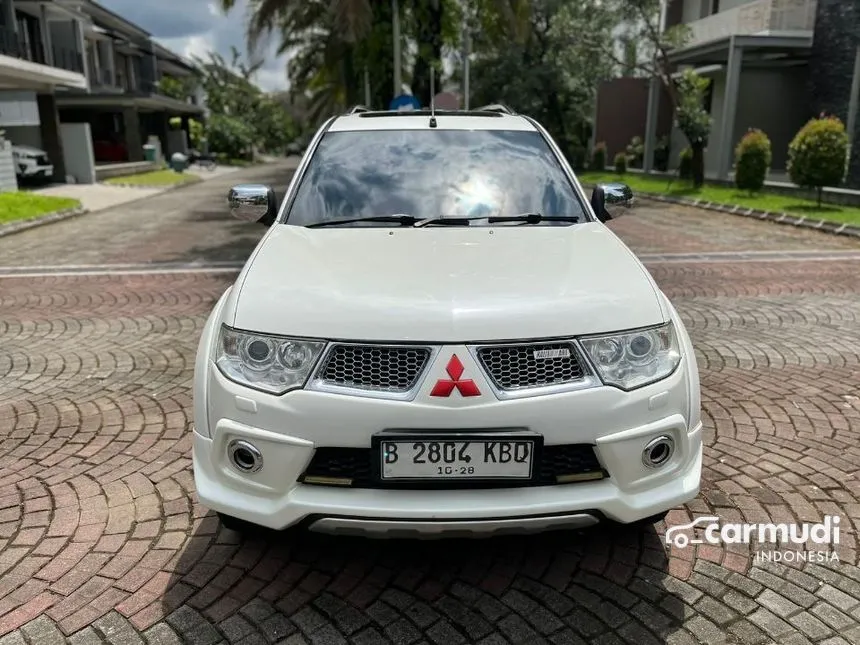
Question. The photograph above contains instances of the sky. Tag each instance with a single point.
(195, 27)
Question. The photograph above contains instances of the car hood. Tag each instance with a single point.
(28, 150)
(444, 284)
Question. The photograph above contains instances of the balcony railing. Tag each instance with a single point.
(12, 45)
(761, 17)
(68, 59)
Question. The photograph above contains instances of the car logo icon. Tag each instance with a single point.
(445, 386)
(676, 537)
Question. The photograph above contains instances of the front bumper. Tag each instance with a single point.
(288, 429)
(30, 171)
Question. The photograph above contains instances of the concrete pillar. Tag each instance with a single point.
(853, 100)
(45, 28)
(725, 143)
(8, 16)
(133, 140)
(52, 142)
(651, 123)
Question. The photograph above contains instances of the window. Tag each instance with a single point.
(432, 173)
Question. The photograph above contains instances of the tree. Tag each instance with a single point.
(230, 135)
(248, 117)
(175, 88)
(529, 56)
(693, 120)
(818, 154)
(642, 20)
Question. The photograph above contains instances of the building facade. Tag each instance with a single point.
(773, 65)
(69, 67)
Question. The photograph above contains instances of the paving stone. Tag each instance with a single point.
(87, 636)
(771, 624)
(42, 630)
(810, 625)
(102, 537)
(161, 634)
(779, 605)
(117, 630)
(193, 627)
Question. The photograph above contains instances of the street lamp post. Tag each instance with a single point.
(395, 20)
(467, 50)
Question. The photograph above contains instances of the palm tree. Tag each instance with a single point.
(322, 36)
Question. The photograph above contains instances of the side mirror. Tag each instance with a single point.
(611, 201)
(253, 203)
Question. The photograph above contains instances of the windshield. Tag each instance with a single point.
(432, 173)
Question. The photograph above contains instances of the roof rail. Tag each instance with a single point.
(495, 107)
(356, 109)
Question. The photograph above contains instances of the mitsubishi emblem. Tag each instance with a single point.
(444, 386)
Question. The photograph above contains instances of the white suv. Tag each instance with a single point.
(438, 335)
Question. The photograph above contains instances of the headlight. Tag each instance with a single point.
(270, 363)
(635, 358)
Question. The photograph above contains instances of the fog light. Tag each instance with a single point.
(244, 456)
(658, 451)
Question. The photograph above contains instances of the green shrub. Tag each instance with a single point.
(817, 156)
(635, 152)
(621, 163)
(598, 157)
(230, 135)
(685, 164)
(752, 160)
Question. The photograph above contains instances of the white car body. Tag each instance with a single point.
(31, 162)
(523, 291)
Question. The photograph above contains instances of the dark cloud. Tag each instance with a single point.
(196, 27)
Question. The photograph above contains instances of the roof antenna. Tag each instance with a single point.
(432, 96)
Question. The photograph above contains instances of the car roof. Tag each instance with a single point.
(420, 120)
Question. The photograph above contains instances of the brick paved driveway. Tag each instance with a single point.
(101, 538)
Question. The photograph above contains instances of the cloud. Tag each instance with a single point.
(196, 27)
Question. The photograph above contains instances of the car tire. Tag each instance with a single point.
(653, 519)
(237, 525)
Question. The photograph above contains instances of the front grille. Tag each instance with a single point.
(355, 467)
(513, 367)
(43, 160)
(374, 367)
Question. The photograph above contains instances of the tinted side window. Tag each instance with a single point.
(432, 173)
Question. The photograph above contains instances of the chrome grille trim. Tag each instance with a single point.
(400, 382)
(561, 374)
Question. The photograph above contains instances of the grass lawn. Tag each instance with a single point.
(22, 205)
(154, 178)
(729, 195)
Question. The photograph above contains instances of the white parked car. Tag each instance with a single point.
(439, 335)
(32, 163)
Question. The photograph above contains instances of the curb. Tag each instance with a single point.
(163, 188)
(825, 226)
(41, 220)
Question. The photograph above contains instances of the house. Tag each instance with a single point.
(127, 99)
(33, 68)
(773, 65)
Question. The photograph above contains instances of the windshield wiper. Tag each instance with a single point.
(403, 220)
(448, 221)
(533, 218)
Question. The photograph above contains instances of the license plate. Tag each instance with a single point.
(472, 458)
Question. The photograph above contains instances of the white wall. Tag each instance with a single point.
(78, 154)
(697, 9)
(18, 108)
(8, 181)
